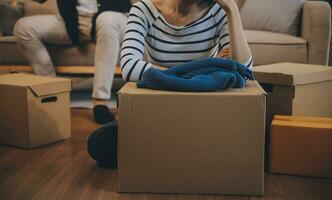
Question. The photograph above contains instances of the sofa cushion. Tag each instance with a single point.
(10, 54)
(281, 16)
(268, 47)
(265, 37)
(60, 55)
(8, 17)
(34, 8)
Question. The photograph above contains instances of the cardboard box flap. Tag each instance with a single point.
(306, 124)
(292, 74)
(39, 85)
(322, 120)
(50, 88)
(252, 88)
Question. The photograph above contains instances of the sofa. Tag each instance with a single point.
(308, 41)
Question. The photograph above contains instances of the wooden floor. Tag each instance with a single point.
(65, 171)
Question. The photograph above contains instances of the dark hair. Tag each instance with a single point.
(209, 2)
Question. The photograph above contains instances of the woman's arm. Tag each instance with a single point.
(239, 48)
(133, 46)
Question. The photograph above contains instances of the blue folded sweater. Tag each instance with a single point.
(204, 75)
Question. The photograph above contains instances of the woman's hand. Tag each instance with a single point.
(228, 5)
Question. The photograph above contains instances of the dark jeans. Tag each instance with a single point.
(102, 145)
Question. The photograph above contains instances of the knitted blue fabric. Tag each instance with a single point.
(204, 75)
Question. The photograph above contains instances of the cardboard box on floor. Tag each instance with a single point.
(296, 89)
(202, 143)
(34, 110)
(301, 146)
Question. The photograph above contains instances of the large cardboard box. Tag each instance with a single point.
(296, 89)
(34, 110)
(301, 146)
(205, 143)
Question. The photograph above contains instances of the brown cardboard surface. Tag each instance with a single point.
(252, 90)
(301, 146)
(292, 74)
(53, 117)
(40, 85)
(35, 111)
(205, 143)
(13, 106)
(313, 99)
(303, 119)
(296, 89)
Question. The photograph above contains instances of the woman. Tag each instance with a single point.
(174, 32)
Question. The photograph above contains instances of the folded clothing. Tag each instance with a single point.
(204, 75)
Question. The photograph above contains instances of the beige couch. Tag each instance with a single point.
(310, 45)
(330, 62)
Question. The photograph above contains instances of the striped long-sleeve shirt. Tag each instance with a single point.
(148, 33)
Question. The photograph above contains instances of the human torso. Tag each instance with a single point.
(168, 45)
(181, 15)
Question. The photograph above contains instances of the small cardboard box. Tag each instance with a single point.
(34, 110)
(196, 143)
(296, 89)
(301, 146)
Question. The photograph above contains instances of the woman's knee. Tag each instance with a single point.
(102, 145)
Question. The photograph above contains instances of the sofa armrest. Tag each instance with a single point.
(316, 29)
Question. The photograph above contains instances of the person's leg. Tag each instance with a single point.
(102, 145)
(110, 28)
(32, 32)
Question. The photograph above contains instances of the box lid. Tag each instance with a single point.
(303, 121)
(39, 85)
(292, 74)
(252, 88)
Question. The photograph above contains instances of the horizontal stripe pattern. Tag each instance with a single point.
(168, 45)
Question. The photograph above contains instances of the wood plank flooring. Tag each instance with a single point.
(64, 171)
